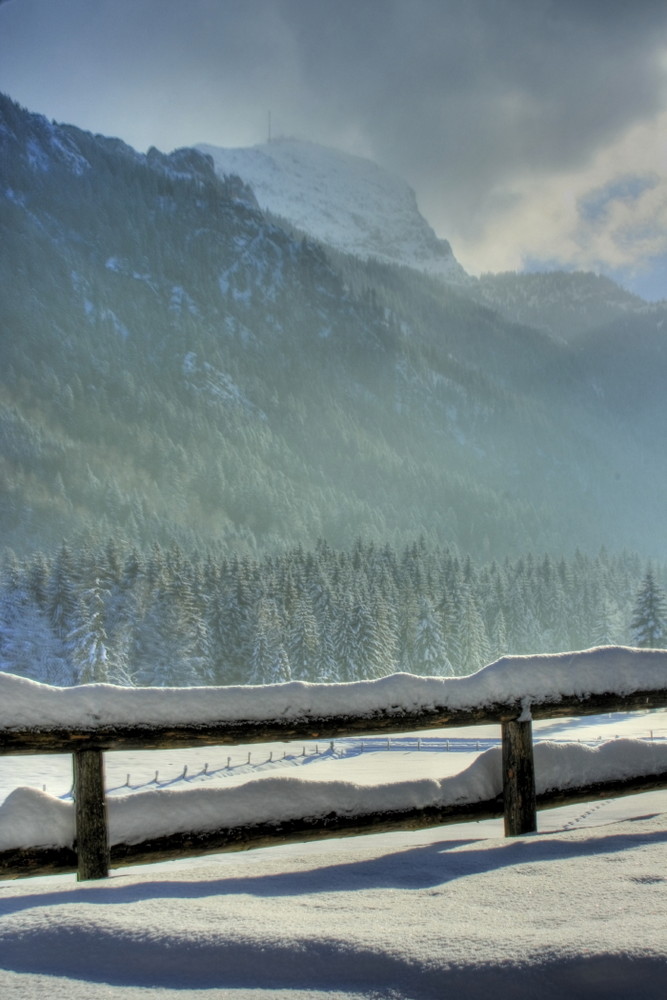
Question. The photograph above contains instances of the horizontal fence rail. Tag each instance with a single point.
(36, 740)
(25, 862)
(92, 857)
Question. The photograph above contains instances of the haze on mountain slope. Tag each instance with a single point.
(180, 366)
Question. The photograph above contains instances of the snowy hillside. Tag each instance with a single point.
(345, 201)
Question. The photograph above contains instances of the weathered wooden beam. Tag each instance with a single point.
(26, 862)
(616, 788)
(146, 737)
(18, 864)
(520, 811)
(161, 737)
(92, 841)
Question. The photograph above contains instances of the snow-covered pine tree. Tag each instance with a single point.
(649, 621)
(61, 593)
(27, 643)
(607, 625)
(430, 651)
(87, 641)
(303, 641)
(473, 640)
(269, 663)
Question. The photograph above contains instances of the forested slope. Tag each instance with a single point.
(177, 367)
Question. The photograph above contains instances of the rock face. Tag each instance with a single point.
(345, 201)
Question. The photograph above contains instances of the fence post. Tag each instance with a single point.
(518, 778)
(92, 840)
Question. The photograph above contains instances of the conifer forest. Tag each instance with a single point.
(163, 617)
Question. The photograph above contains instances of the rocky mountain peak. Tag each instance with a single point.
(344, 201)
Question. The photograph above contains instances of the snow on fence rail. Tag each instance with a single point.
(88, 720)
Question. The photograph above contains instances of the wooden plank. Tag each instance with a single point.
(147, 737)
(19, 864)
(520, 810)
(612, 789)
(27, 862)
(92, 842)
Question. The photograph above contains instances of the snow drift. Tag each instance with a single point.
(29, 817)
(510, 680)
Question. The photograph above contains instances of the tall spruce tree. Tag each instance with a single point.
(649, 622)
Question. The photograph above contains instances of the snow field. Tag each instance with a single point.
(455, 911)
(578, 910)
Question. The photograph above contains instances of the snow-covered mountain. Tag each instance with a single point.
(345, 201)
(207, 376)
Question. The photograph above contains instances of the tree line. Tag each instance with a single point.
(166, 617)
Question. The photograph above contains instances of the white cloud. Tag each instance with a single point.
(609, 215)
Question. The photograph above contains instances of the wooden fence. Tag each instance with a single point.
(91, 857)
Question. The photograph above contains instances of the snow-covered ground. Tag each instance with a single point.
(580, 909)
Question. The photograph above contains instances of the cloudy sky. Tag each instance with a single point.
(533, 131)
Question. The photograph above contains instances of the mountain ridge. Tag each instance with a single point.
(178, 366)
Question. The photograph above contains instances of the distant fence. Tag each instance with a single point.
(91, 857)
